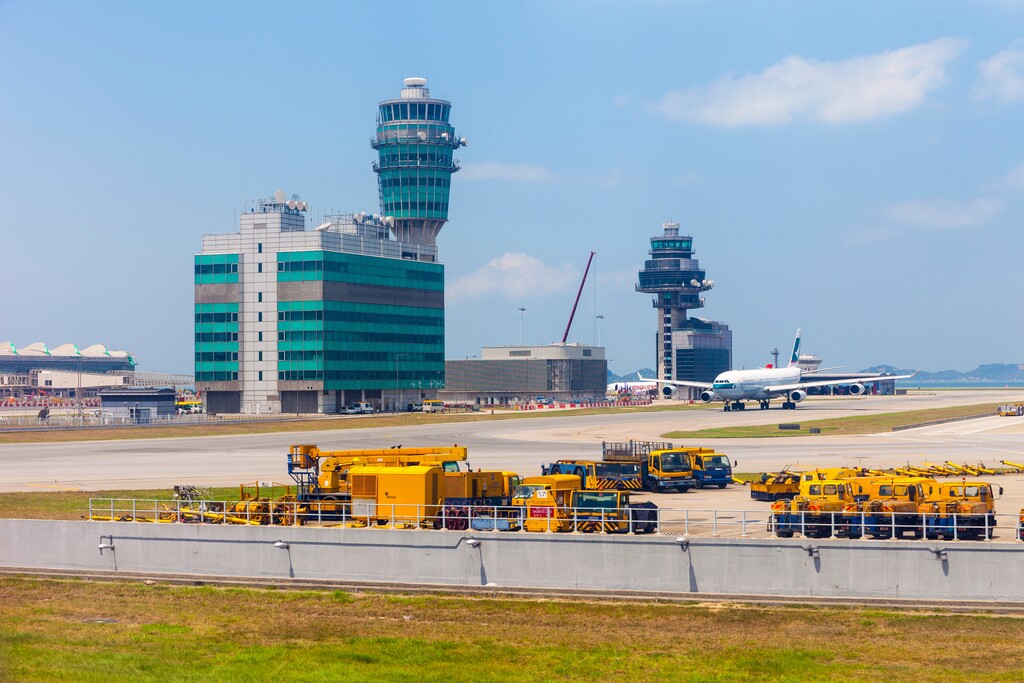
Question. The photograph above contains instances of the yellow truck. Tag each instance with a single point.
(960, 510)
(815, 512)
(555, 502)
(886, 507)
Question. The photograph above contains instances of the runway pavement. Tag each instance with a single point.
(522, 445)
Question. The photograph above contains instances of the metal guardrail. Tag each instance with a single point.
(666, 521)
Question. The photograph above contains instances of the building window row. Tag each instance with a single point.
(208, 337)
(391, 207)
(217, 376)
(420, 111)
(216, 356)
(360, 317)
(225, 317)
(360, 356)
(424, 155)
(417, 180)
(319, 335)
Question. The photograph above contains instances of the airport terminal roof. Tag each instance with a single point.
(64, 350)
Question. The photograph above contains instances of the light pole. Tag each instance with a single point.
(521, 312)
(599, 318)
(398, 358)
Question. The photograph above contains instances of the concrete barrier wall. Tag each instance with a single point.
(896, 569)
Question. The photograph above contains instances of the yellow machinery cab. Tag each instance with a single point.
(545, 501)
(404, 496)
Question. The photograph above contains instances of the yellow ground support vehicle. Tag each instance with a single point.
(1011, 410)
(960, 510)
(400, 496)
(554, 502)
(781, 485)
(816, 512)
(599, 474)
(884, 507)
(660, 466)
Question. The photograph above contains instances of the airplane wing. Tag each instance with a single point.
(782, 388)
(678, 383)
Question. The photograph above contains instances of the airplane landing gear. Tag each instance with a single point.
(764, 405)
(789, 405)
(738, 405)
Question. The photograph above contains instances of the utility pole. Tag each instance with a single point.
(521, 312)
(775, 353)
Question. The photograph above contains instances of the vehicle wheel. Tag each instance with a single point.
(918, 534)
(683, 489)
(721, 486)
(784, 534)
(700, 484)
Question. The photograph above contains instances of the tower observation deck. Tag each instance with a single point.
(693, 349)
(414, 144)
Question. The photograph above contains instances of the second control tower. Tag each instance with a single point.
(687, 348)
(415, 144)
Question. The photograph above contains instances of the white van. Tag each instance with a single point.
(359, 408)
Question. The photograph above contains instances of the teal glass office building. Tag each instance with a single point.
(303, 321)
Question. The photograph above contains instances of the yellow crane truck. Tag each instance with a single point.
(886, 507)
(815, 512)
(960, 510)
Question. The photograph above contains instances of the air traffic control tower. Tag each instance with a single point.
(691, 349)
(414, 169)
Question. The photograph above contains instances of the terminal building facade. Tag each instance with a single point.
(295, 320)
(506, 375)
(691, 349)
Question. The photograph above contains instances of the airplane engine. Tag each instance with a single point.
(797, 395)
(857, 389)
(707, 396)
(668, 391)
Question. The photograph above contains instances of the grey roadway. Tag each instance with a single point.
(521, 445)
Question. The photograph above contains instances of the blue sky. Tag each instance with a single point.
(854, 169)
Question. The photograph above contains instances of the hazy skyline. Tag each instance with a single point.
(853, 169)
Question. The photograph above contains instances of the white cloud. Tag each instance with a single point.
(515, 173)
(844, 91)
(1014, 180)
(1001, 77)
(941, 214)
(514, 275)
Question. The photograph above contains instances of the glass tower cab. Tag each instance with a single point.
(415, 143)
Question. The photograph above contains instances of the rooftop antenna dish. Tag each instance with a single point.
(279, 196)
(422, 135)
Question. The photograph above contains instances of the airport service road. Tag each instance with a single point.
(520, 445)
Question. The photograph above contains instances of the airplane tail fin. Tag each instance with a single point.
(796, 350)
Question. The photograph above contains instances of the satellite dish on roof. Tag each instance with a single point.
(462, 141)
(422, 135)
(415, 82)
(291, 203)
(279, 196)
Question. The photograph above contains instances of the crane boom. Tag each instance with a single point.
(577, 302)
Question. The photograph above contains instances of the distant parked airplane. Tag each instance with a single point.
(764, 384)
(631, 387)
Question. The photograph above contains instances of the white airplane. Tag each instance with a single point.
(764, 384)
(622, 388)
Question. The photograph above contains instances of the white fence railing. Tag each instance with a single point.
(483, 517)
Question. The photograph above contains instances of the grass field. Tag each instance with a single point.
(83, 631)
(75, 504)
(310, 425)
(857, 424)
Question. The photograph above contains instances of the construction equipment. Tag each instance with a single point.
(960, 510)
(402, 496)
(660, 467)
(1009, 463)
(781, 485)
(886, 507)
(598, 474)
(815, 512)
(554, 502)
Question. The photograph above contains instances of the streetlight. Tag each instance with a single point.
(398, 358)
(599, 318)
(521, 312)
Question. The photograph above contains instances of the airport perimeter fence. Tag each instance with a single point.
(498, 518)
(90, 419)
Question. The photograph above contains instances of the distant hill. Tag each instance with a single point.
(994, 372)
(631, 377)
